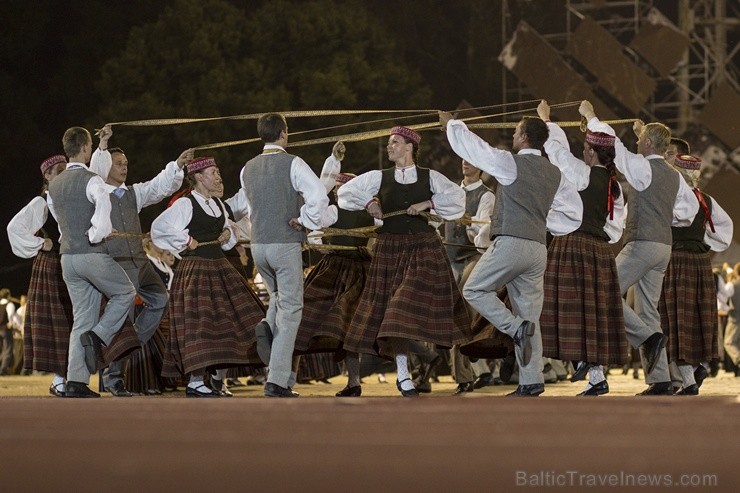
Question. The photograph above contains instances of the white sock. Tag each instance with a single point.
(220, 374)
(596, 375)
(402, 368)
(588, 386)
(687, 375)
(352, 362)
(195, 382)
(58, 381)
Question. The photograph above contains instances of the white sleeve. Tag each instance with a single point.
(635, 167)
(557, 148)
(566, 211)
(686, 204)
(167, 182)
(721, 238)
(170, 229)
(239, 205)
(448, 198)
(359, 191)
(97, 193)
(23, 227)
(497, 163)
(100, 163)
(614, 227)
(330, 216)
(306, 183)
(332, 167)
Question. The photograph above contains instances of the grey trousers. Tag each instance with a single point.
(153, 292)
(731, 343)
(88, 277)
(281, 268)
(520, 265)
(642, 264)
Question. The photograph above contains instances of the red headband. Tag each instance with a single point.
(688, 162)
(407, 133)
(200, 163)
(600, 139)
(344, 177)
(52, 161)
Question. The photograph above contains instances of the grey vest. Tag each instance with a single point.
(521, 208)
(650, 212)
(272, 198)
(124, 216)
(457, 232)
(74, 211)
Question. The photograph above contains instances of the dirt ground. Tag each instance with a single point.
(379, 442)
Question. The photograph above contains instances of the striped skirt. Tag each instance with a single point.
(330, 297)
(688, 308)
(213, 312)
(48, 317)
(410, 293)
(582, 317)
(317, 366)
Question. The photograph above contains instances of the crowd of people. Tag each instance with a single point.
(519, 278)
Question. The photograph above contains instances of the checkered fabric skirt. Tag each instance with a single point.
(330, 297)
(144, 366)
(410, 293)
(317, 366)
(125, 342)
(48, 317)
(213, 312)
(582, 316)
(488, 342)
(688, 308)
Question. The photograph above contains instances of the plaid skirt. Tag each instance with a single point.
(688, 308)
(48, 317)
(317, 366)
(331, 294)
(410, 293)
(582, 317)
(213, 312)
(125, 342)
(144, 367)
(488, 342)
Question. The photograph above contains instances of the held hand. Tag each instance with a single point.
(374, 210)
(105, 134)
(637, 127)
(193, 244)
(444, 118)
(543, 111)
(48, 245)
(224, 236)
(338, 150)
(415, 209)
(586, 110)
(295, 224)
(185, 157)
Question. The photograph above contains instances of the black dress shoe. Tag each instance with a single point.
(532, 390)
(660, 388)
(463, 388)
(600, 388)
(651, 348)
(79, 389)
(692, 389)
(348, 391)
(55, 390)
(498, 381)
(201, 390)
(699, 375)
(218, 386)
(423, 386)
(407, 393)
(275, 390)
(522, 338)
(234, 382)
(119, 390)
(91, 343)
(264, 341)
(581, 371)
(507, 367)
(484, 380)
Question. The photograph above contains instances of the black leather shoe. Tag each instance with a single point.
(56, 391)
(532, 390)
(79, 389)
(463, 388)
(407, 393)
(507, 367)
(274, 390)
(692, 389)
(264, 341)
(581, 371)
(423, 386)
(522, 338)
(660, 388)
(348, 391)
(484, 380)
(119, 390)
(234, 382)
(201, 390)
(218, 386)
(651, 349)
(91, 344)
(498, 381)
(699, 375)
(600, 388)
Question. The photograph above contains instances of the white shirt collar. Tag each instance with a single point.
(76, 165)
(536, 152)
(472, 186)
(273, 146)
(109, 188)
(654, 156)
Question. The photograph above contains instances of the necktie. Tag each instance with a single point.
(119, 192)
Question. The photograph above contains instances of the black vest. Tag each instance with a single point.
(595, 198)
(205, 228)
(691, 238)
(350, 220)
(50, 230)
(457, 232)
(395, 196)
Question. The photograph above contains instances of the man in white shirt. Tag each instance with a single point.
(7, 312)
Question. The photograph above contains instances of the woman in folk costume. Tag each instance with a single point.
(212, 309)
(33, 232)
(410, 293)
(688, 302)
(582, 317)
